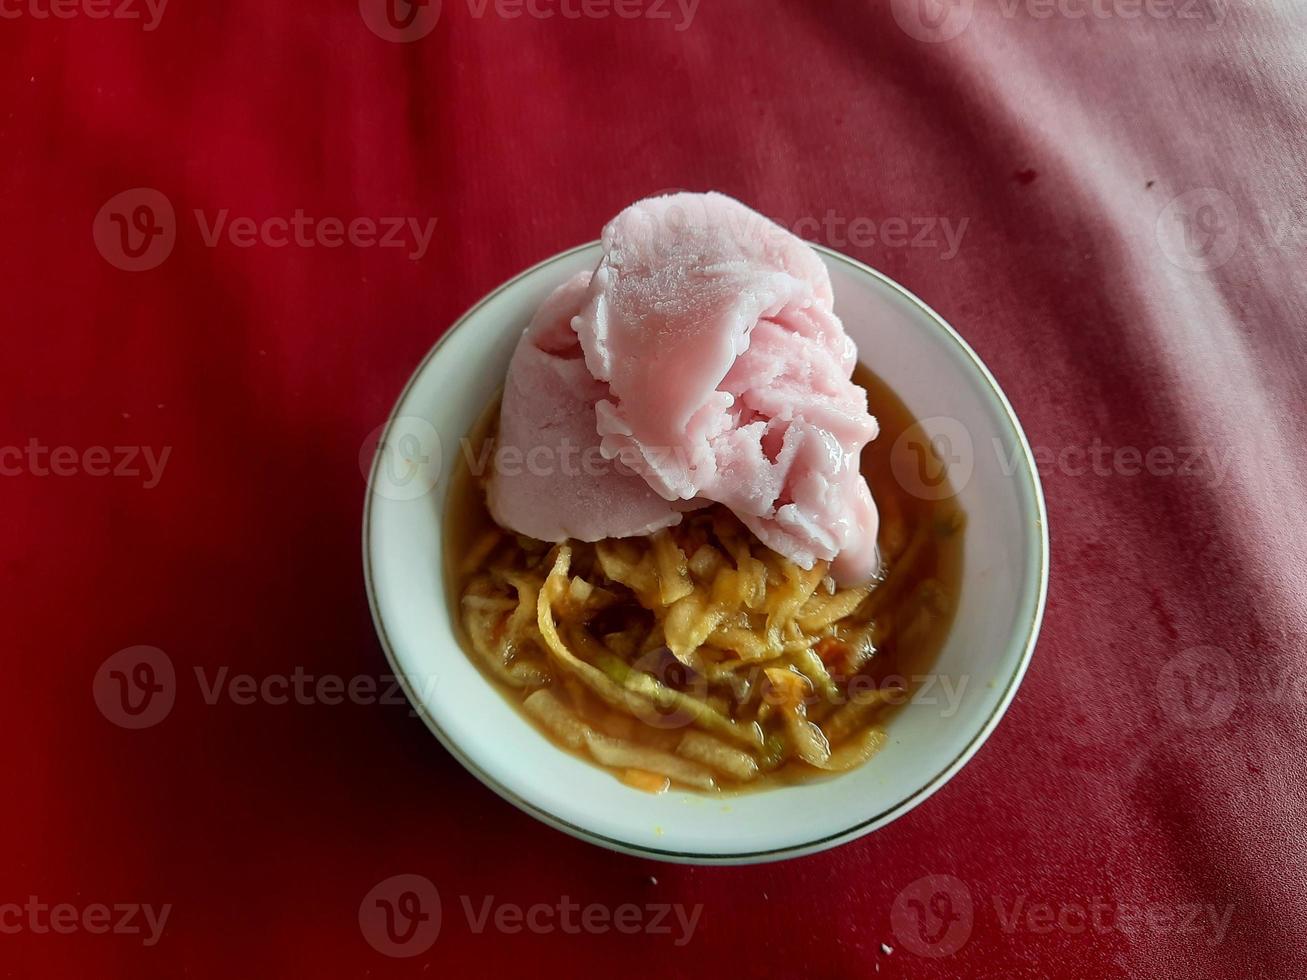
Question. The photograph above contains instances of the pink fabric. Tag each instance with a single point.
(1030, 177)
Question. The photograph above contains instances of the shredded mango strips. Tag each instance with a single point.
(695, 657)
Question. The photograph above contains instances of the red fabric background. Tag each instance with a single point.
(1059, 139)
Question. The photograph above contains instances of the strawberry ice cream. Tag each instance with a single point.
(701, 362)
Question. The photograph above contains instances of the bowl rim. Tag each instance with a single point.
(863, 826)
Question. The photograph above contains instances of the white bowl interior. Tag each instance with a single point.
(938, 377)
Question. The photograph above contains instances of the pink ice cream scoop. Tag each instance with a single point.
(715, 369)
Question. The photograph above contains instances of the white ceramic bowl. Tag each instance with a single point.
(978, 671)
